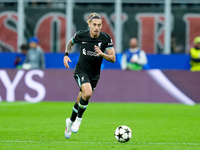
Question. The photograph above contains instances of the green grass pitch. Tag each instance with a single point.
(40, 126)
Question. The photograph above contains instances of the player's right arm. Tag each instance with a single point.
(68, 49)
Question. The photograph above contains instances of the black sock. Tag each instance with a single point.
(82, 107)
(74, 112)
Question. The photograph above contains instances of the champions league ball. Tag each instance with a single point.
(123, 134)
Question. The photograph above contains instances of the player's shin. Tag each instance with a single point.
(74, 112)
(82, 107)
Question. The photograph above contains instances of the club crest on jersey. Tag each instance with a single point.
(99, 44)
(84, 51)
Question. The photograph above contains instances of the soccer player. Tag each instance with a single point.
(95, 45)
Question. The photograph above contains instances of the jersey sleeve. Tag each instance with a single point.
(109, 43)
(76, 38)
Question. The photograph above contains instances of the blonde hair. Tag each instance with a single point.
(93, 16)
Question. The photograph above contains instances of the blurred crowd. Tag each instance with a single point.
(31, 56)
(56, 3)
(36, 3)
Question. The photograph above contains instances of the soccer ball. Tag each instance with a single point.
(123, 134)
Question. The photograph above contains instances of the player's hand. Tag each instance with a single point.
(66, 59)
(97, 50)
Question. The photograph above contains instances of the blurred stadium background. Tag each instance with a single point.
(165, 30)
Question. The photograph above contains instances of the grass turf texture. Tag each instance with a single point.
(155, 126)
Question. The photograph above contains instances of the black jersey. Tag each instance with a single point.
(88, 62)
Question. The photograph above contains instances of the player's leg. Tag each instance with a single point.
(75, 108)
(70, 121)
(84, 99)
(83, 103)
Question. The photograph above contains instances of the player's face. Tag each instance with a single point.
(95, 27)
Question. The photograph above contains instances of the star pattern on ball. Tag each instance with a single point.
(127, 131)
(119, 135)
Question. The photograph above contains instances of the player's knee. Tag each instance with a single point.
(87, 95)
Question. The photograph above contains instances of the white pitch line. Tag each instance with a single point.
(135, 143)
(184, 143)
(17, 141)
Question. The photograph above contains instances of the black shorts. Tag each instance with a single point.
(82, 78)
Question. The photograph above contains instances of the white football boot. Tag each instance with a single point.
(68, 130)
(76, 125)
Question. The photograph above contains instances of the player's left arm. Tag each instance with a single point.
(110, 56)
